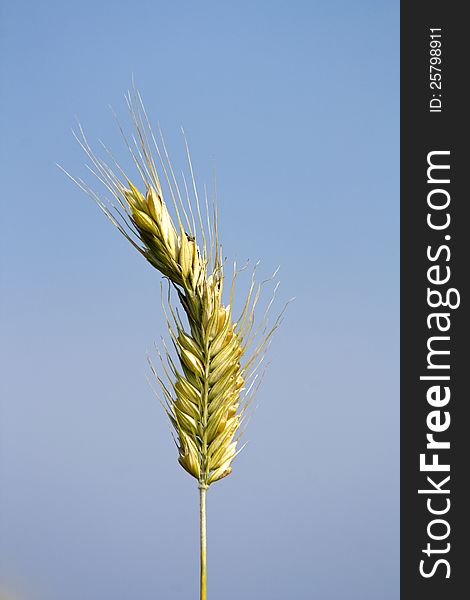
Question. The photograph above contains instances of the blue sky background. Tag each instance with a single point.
(295, 104)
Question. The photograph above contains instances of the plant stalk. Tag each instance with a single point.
(202, 522)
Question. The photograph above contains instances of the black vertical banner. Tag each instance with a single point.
(435, 335)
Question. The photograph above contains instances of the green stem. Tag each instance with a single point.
(202, 522)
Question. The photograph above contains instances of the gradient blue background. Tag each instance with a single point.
(296, 105)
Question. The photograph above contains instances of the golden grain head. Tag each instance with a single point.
(213, 376)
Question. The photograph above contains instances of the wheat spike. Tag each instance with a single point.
(209, 387)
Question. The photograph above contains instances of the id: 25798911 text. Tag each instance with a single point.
(435, 70)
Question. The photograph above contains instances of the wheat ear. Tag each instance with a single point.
(209, 387)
